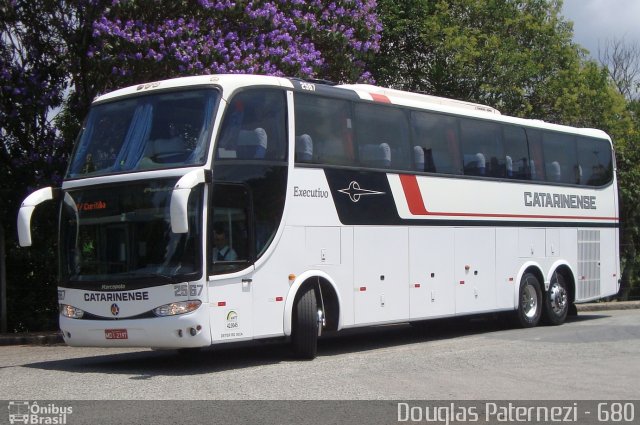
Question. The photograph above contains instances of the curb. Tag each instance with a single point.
(55, 338)
(613, 305)
(52, 338)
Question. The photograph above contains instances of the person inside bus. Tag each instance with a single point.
(222, 251)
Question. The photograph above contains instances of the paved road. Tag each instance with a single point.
(593, 356)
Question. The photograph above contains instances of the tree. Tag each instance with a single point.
(502, 53)
(622, 60)
(137, 41)
(57, 55)
(32, 80)
(121, 43)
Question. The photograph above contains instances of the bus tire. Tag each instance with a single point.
(556, 301)
(529, 301)
(304, 332)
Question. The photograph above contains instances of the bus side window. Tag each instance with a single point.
(560, 158)
(435, 143)
(323, 130)
(254, 127)
(536, 156)
(382, 136)
(595, 161)
(482, 149)
(517, 165)
(230, 232)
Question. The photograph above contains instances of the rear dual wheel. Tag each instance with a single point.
(556, 305)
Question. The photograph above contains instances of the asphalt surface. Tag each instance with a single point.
(591, 356)
(588, 365)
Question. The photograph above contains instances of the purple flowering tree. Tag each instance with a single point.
(137, 42)
(32, 154)
(57, 55)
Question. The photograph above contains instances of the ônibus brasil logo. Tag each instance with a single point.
(24, 412)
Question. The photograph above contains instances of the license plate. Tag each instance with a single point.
(116, 334)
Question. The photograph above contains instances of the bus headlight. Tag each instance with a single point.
(71, 311)
(179, 307)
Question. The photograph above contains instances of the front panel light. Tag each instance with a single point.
(179, 307)
(71, 311)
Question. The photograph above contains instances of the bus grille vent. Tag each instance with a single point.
(588, 264)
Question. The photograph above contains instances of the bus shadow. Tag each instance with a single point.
(146, 364)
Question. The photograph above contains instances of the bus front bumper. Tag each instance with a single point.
(183, 331)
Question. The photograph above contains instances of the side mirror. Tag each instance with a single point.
(179, 208)
(26, 210)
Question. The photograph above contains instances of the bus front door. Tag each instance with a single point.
(231, 257)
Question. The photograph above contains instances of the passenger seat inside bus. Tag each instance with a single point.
(166, 150)
(554, 173)
(252, 144)
(475, 164)
(424, 159)
(304, 148)
(532, 169)
(376, 155)
(418, 158)
(509, 166)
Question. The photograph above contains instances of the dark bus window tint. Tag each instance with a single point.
(323, 130)
(254, 127)
(229, 235)
(516, 151)
(595, 163)
(482, 150)
(536, 156)
(382, 135)
(435, 143)
(560, 161)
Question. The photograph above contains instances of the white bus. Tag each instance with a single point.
(205, 210)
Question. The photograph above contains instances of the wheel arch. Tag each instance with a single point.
(330, 296)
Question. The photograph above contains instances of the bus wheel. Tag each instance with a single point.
(304, 333)
(556, 301)
(530, 301)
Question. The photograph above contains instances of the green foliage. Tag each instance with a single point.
(501, 53)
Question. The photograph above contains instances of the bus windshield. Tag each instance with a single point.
(123, 232)
(163, 130)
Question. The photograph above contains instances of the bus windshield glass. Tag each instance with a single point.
(163, 130)
(123, 232)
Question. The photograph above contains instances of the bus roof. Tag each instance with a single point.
(231, 82)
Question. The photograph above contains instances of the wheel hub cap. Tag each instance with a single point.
(529, 301)
(558, 297)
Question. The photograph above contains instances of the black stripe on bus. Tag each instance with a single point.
(365, 198)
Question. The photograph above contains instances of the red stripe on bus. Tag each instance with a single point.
(417, 207)
(413, 195)
(380, 98)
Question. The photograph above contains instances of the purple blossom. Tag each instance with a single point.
(279, 37)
